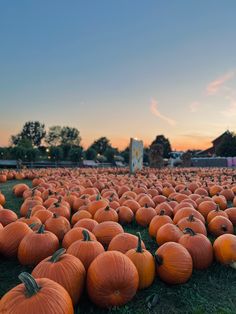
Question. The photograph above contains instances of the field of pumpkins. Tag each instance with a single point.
(99, 240)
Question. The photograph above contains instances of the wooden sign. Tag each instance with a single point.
(135, 155)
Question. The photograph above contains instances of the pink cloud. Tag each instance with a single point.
(154, 110)
(194, 106)
(213, 87)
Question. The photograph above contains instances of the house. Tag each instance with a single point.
(215, 143)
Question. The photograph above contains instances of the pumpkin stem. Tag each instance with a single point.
(158, 259)
(162, 212)
(41, 229)
(98, 197)
(28, 213)
(217, 208)
(86, 235)
(57, 255)
(31, 286)
(107, 208)
(55, 215)
(139, 246)
(189, 231)
(191, 218)
(146, 205)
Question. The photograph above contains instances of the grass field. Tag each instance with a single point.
(211, 291)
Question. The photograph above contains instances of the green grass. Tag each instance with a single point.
(209, 291)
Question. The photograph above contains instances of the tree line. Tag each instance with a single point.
(59, 143)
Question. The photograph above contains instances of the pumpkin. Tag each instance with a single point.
(157, 222)
(86, 249)
(125, 215)
(7, 216)
(2, 199)
(191, 222)
(112, 279)
(225, 249)
(231, 212)
(106, 231)
(86, 223)
(75, 234)
(43, 215)
(64, 269)
(19, 189)
(106, 214)
(220, 225)
(199, 247)
(36, 296)
(81, 214)
(123, 242)
(144, 262)
(57, 225)
(168, 233)
(29, 220)
(206, 207)
(174, 263)
(217, 212)
(11, 236)
(144, 216)
(36, 246)
(186, 212)
(132, 204)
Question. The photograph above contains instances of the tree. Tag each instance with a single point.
(90, 154)
(125, 154)
(101, 145)
(53, 137)
(33, 131)
(70, 136)
(76, 153)
(227, 147)
(56, 153)
(164, 142)
(110, 153)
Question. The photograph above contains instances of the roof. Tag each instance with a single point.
(220, 137)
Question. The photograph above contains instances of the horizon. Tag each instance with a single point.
(120, 69)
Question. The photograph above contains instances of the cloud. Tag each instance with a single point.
(213, 87)
(156, 112)
(194, 106)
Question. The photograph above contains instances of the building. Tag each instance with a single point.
(215, 143)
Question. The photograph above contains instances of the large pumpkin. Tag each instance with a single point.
(65, 269)
(174, 263)
(112, 279)
(36, 297)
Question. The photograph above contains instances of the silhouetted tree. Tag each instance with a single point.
(101, 145)
(164, 142)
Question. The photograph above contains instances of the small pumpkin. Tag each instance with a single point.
(144, 262)
(106, 231)
(123, 242)
(57, 225)
(220, 225)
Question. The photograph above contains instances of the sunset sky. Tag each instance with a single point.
(120, 68)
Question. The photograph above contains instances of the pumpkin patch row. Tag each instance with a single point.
(71, 225)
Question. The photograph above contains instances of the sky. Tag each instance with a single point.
(120, 69)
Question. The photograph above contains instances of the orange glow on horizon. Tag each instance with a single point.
(177, 143)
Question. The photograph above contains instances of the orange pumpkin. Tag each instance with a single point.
(36, 296)
(174, 263)
(112, 279)
(64, 269)
(144, 262)
(106, 231)
(225, 249)
(123, 242)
